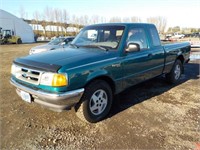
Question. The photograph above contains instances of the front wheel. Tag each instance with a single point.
(175, 73)
(96, 102)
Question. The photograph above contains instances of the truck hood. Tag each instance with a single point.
(45, 46)
(67, 57)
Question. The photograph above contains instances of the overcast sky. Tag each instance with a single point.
(184, 13)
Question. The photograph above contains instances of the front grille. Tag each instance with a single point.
(28, 75)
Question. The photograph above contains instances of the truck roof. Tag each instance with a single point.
(122, 24)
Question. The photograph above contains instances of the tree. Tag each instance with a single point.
(76, 23)
(44, 25)
(36, 16)
(22, 12)
(193, 30)
(169, 30)
(94, 19)
(65, 19)
(126, 19)
(85, 20)
(102, 20)
(48, 16)
(135, 19)
(115, 19)
(58, 19)
(176, 29)
(160, 22)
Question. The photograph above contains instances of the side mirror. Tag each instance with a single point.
(132, 47)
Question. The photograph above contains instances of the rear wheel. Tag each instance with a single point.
(19, 41)
(96, 102)
(175, 73)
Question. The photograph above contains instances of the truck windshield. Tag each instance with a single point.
(107, 37)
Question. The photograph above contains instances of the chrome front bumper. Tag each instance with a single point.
(54, 101)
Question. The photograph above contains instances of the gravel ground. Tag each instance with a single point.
(152, 115)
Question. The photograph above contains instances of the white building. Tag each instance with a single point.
(20, 28)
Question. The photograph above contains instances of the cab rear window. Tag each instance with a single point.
(154, 36)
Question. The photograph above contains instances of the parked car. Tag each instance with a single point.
(52, 45)
(178, 35)
(175, 35)
(87, 74)
(196, 34)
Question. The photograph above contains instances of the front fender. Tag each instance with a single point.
(80, 78)
(96, 74)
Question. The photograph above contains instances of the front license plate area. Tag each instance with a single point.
(25, 96)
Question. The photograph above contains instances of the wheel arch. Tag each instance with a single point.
(105, 78)
(181, 58)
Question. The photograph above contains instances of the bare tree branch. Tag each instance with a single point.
(22, 12)
(115, 19)
(160, 22)
(135, 19)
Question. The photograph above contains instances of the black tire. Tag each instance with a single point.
(96, 102)
(19, 41)
(175, 73)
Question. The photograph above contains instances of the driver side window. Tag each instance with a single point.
(137, 36)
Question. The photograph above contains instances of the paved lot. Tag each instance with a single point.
(152, 115)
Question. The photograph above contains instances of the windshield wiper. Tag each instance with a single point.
(102, 47)
(74, 45)
(98, 46)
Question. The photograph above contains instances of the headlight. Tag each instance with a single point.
(54, 79)
(14, 69)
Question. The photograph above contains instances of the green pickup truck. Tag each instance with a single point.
(102, 61)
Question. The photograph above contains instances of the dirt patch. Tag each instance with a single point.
(152, 115)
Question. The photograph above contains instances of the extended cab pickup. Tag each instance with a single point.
(103, 60)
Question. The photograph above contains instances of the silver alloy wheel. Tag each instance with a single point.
(98, 102)
(177, 71)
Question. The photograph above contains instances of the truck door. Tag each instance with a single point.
(141, 65)
(156, 53)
